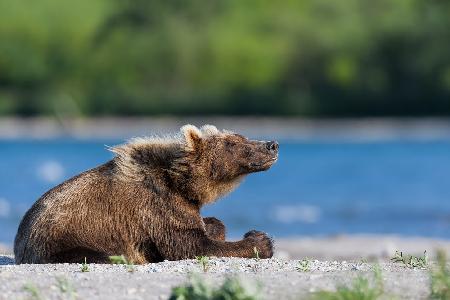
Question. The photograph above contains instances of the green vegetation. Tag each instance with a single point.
(204, 262)
(440, 279)
(33, 290)
(118, 260)
(305, 57)
(231, 289)
(121, 260)
(304, 265)
(256, 252)
(411, 261)
(361, 289)
(66, 287)
(84, 266)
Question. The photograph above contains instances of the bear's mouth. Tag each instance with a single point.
(263, 165)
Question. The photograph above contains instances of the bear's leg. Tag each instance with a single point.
(189, 244)
(253, 240)
(78, 255)
(215, 229)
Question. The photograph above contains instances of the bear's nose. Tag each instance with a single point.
(272, 146)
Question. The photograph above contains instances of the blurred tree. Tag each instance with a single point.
(303, 57)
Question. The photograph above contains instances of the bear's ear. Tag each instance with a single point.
(192, 135)
(209, 129)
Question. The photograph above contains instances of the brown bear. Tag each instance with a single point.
(145, 203)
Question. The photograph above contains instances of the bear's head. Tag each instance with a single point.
(218, 160)
(226, 155)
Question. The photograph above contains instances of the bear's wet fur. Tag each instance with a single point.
(145, 203)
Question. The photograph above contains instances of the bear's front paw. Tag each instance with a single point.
(261, 241)
(214, 228)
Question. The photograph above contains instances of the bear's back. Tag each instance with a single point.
(60, 213)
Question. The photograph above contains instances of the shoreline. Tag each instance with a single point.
(361, 129)
(358, 246)
(346, 247)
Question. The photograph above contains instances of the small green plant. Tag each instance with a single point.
(33, 290)
(411, 261)
(66, 287)
(232, 289)
(204, 262)
(118, 260)
(131, 268)
(256, 252)
(304, 265)
(378, 277)
(122, 260)
(360, 289)
(84, 266)
(440, 278)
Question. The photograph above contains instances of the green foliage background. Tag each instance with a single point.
(304, 57)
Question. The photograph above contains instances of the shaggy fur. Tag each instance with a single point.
(145, 203)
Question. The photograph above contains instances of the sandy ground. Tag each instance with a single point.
(333, 261)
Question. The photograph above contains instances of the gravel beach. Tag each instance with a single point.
(279, 278)
(333, 261)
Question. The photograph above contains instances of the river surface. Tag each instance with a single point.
(316, 188)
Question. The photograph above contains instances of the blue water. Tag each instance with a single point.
(316, 188)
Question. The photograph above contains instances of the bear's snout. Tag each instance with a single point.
(272, 146)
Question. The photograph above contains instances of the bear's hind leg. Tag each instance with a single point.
(215, 229)
(78, 255)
